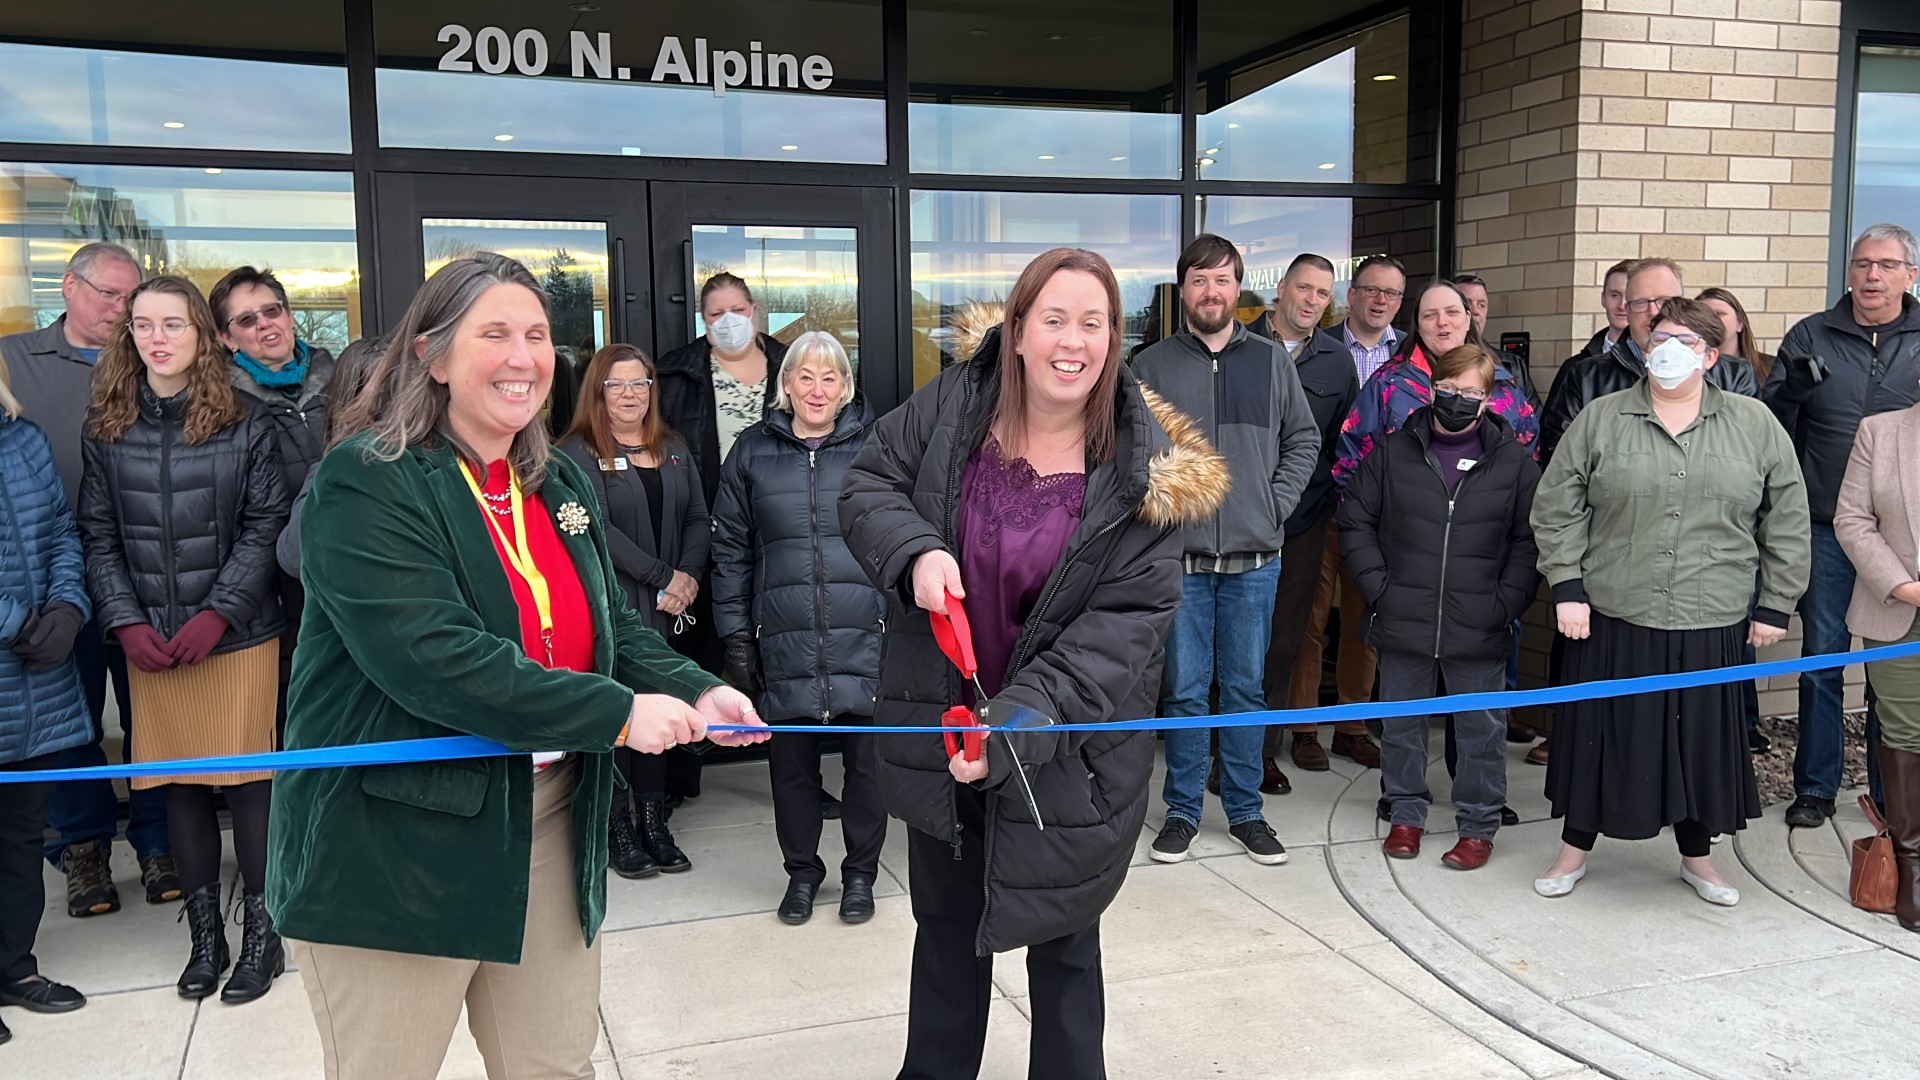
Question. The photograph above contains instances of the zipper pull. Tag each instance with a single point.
(1216, 365)
(810, 457)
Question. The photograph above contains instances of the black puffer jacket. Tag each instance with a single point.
(172, 529)
(1090, 651)
(1325, 366)
(1588, 378)
(1443, 575)
(782, 572)
(685, 397)
(1865, 372)
(300, 421)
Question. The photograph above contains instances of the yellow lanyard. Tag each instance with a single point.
(518, 554)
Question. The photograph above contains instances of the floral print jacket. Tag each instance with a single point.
(1406, 384)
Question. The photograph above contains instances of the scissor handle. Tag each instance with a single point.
(955, 636)
(961, 716)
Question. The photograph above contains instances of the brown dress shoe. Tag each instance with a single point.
(1403, 842)
(1307, 752)
(1538, 755)
(1359, 749)
(1273, 781)
(1468, 854)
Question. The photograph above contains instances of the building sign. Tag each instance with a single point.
(493, 51)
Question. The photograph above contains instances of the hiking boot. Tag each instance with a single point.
(160, 878)
(1307, 752)
(90, 888)
(1359, 749)
(658, 841)
(625, 853)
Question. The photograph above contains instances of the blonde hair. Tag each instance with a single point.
(8, 403)
(815, 345)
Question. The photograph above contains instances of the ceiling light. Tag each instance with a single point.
(1233, 125)
(1213, 150)
(978, 31)
(1121, 157)
(1385, 78)
(215, 172)
(631, 151)
(790, 146)
(1056, 37)
(503, 138)
(1206, 161)
(174, 124)
(1046, 157)
(584, 9)
(1326, 164)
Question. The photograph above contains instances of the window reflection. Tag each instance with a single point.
(567, 258)
(198, 223)
(1050, 88)
(803, 278)
(1886, 156)
(1270, 232)
(971, 245)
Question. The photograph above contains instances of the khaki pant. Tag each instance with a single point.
(1354, 673)
(389, 1015)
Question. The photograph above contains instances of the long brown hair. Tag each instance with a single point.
(212, 405)
(1010, 416)
(590, 423)
(1744, 345)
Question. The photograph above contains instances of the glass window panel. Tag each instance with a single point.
(802, 278)
(1270, 232)
(198, 223)
(609, 80)
(1886, 154)
(132, 73)
(1278, 104)
(568, 258)
(1056, 88)
(971, 245)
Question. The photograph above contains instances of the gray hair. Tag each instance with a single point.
(1889, 231)
(815, 345)
(402, 405)
(89, 255)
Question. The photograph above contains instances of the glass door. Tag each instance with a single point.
(816, 258)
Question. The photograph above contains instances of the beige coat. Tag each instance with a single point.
(1877, 519)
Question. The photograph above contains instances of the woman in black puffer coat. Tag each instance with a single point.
(798, 619)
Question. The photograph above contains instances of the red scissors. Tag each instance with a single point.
(955, 637)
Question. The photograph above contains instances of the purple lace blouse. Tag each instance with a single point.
(1013, 527)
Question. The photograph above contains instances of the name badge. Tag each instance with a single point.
(1466, 463)
(616, 465)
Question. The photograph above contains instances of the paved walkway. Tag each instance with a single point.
(1339, 964)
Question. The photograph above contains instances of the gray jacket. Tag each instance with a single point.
(54, 385)
(1248, 402)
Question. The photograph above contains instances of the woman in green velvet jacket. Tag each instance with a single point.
(458, 582)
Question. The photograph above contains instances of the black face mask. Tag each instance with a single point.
(1453, 412)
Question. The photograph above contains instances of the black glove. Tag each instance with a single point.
(1803, 373)
(51, 640)
(743, 663)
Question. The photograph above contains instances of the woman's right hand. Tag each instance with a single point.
(144, 646)
(935, 574)
(658, 723)
(1908, 593)
(683, 588)
(1575, 619)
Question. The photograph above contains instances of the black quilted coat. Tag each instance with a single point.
(172, 529)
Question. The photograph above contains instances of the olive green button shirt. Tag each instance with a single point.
(1666, 531)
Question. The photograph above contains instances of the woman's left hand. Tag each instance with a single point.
(967, 772)
(1760, 635)
(725, 705)
(683, 588)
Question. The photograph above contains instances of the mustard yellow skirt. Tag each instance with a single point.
(224, 705)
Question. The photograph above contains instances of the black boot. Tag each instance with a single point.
(202, 912)
(625, 853)
(262, 957)
(658, 841)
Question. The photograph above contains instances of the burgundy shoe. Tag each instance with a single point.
(1273, 781)
(1538, 755)
(1403, 842)
(1308, 754)
(1468, 854)
(1358, 749)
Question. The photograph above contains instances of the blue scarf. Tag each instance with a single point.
(288, 378)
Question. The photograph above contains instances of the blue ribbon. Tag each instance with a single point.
(470, 746)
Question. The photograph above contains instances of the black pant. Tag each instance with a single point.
(1691, 837)
(793, 762)
(951, 988)
(23, 892)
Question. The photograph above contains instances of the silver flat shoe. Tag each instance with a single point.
(1723, 895)
(1559, 886)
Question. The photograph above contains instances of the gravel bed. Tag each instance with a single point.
(1773, 770)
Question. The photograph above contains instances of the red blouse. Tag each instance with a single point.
(572, 618)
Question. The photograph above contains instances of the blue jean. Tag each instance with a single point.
(83, 810)
(1220, 632)
(1823, 617)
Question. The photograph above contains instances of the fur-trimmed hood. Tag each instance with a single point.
(1186, 478)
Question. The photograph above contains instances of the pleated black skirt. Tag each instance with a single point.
(1627, 766)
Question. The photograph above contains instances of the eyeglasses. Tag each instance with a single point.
(169, 328)
(615, 387)
(1375, 292)
(111, 296)
(1475, 396)
(1649, 303)
(1887, 266)
(247, 320)
(1691, 341)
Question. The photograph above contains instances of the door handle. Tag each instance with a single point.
(686, 275)
(617, 295)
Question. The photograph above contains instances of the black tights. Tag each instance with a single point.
(194, 827)
(1692, 837)
(646, 773)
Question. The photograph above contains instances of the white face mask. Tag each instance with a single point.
(1672, 363)
(731, 332)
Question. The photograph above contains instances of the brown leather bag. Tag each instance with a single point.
(1874, 880)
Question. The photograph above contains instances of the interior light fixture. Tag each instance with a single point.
(174, 124)
(1326, 164)
(1385, 78)
(1056, 37)
(1206, 161)
(215, 172)
(1230, 126)
(584, 9)
(1213, 150)
(1046, 157)
(631, 151)
(1119, 157)
(978, 31)
(503, 138)
(790, 146)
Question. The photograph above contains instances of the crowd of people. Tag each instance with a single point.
(259, 547)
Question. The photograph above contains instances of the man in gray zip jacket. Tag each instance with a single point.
(1243, 392)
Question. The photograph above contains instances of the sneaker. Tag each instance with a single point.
(157, 873)
(90, 888)
(1808, 812)
(1176, 836)
(1262, 846)
(1757, 742)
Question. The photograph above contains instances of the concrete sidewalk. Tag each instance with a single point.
(1338, 964)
